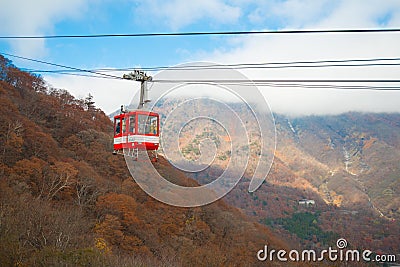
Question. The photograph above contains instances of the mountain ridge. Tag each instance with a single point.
(347, 164)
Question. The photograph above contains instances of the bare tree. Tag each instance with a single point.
(86, 192)
(58, 178)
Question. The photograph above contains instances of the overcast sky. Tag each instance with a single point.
(48, 17)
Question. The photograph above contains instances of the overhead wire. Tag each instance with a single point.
(86, 75)
(203, 33)
(261, 64)
(316, 86)
(96, 73)
(62, 66)
(290, 64)
(270, 65)
(222, 81)
(236, 66)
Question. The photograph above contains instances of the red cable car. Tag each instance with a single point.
(137, 130)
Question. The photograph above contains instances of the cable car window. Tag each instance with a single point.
(132, 123)
(142, 123)
(117, 126)
(123, 125)
(148, 124)
(153, 125)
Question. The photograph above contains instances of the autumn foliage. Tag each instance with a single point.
(66, 200)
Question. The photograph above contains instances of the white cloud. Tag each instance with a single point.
(311, 47)
(180, 13)
(20, 17)
(322, 14)
(362, 14)
(291, 13)
(108, 94)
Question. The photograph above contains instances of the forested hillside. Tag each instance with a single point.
(66, 200)
(347, 165)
